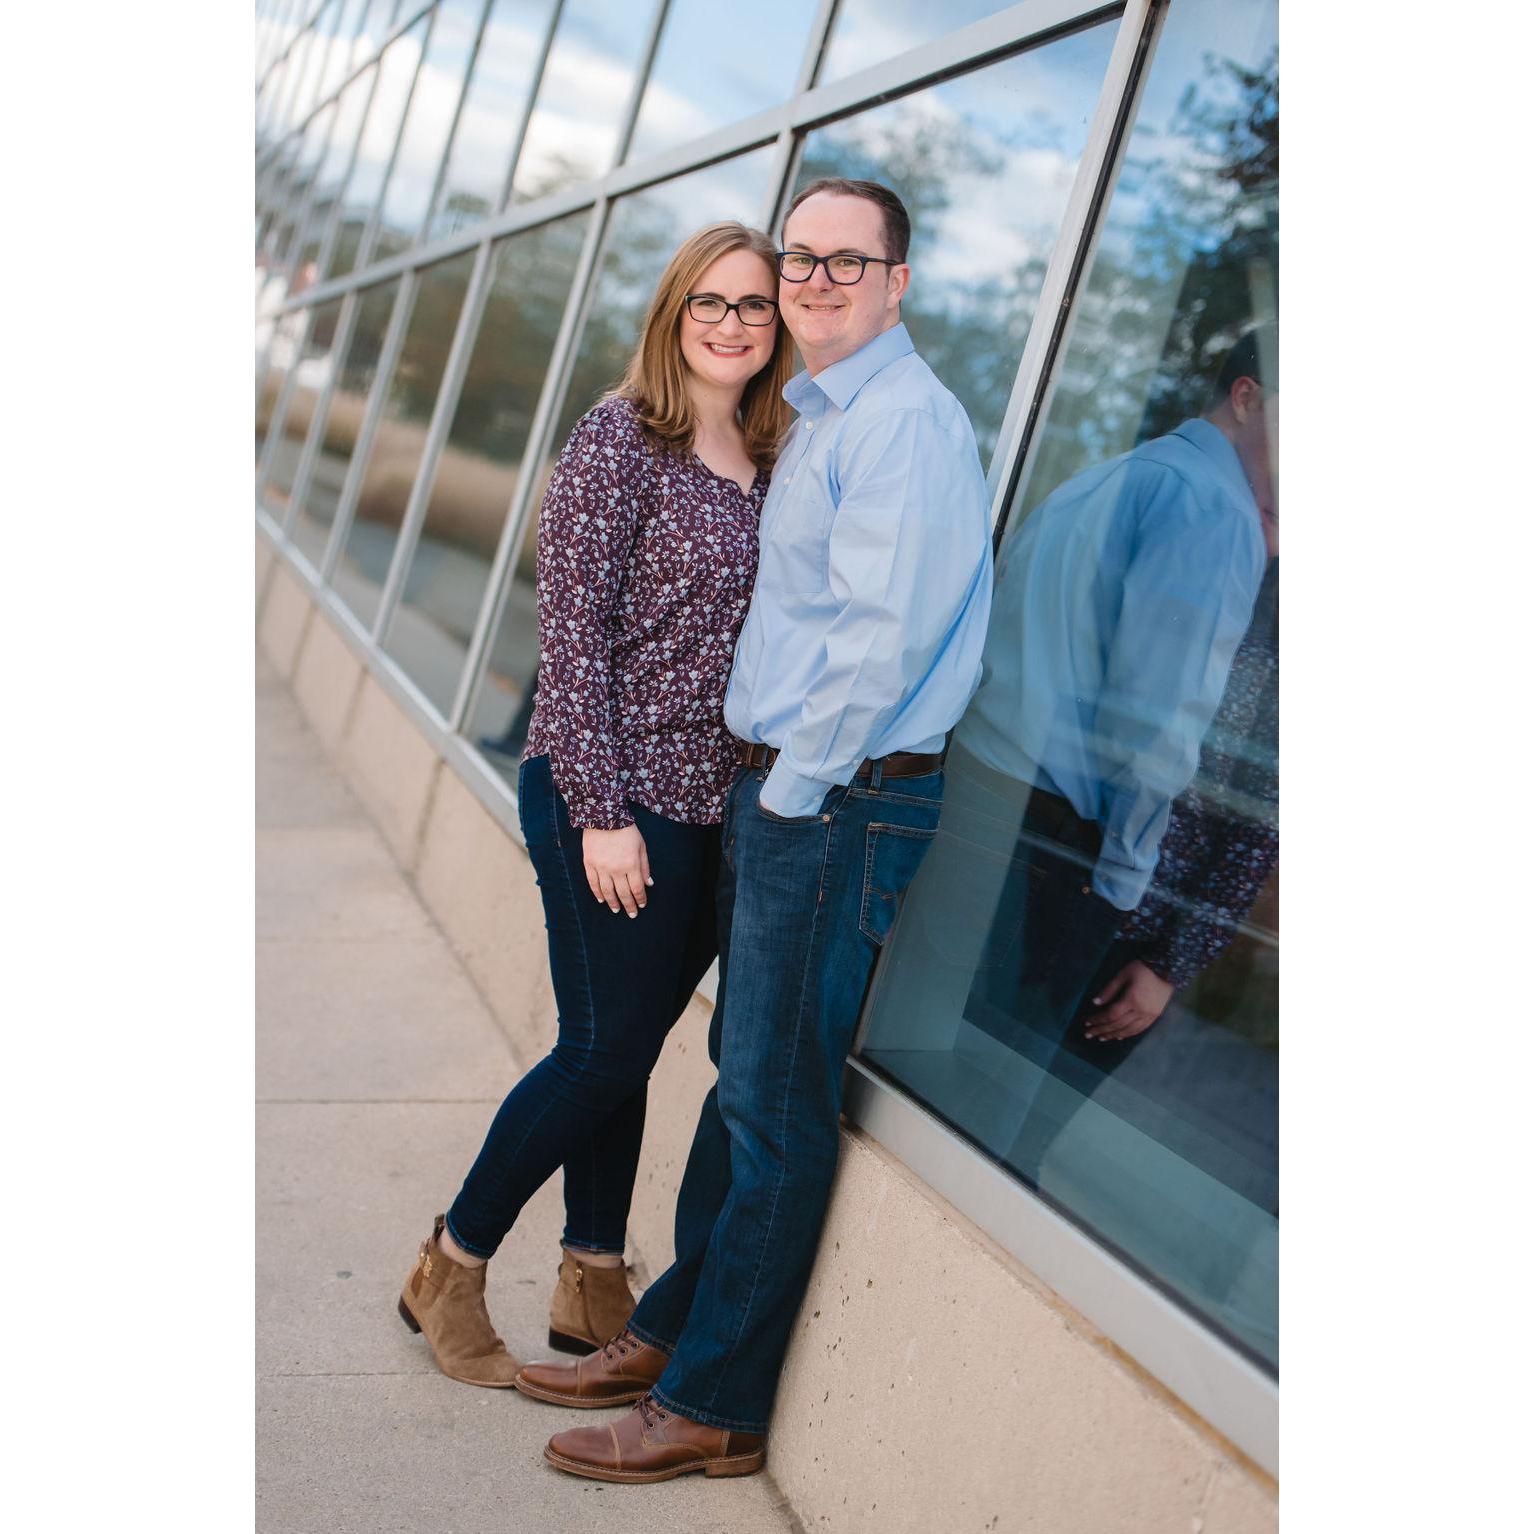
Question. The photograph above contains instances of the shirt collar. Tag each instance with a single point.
(1210, 440)
(841, 381)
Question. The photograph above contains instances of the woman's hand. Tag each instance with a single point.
(617, 867)
(1130, 1003)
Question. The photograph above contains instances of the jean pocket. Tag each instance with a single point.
(891, 859)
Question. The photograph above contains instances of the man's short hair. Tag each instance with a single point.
(1255, 355)
(897, 222)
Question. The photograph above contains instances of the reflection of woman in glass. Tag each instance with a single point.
(647, 551)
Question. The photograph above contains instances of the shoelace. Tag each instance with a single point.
(649, 1412)
(620, 1347)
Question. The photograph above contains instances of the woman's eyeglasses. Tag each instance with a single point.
(709, 309)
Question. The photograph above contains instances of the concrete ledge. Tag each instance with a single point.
(326, 680)
(931, 1372)
(392, 767)
(285, 614)
(477, 882)
(933, 1381)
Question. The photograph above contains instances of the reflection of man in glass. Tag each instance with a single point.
(1119, 605)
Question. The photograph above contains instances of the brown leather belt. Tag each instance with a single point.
(898, 764)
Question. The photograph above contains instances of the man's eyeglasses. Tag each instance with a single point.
(710, 309)
(844, 270)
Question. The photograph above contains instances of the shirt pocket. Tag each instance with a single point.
(795, 548)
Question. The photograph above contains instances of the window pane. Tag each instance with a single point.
(867, 32)
(573, 133)
(396, 447)
(477, 474)
(331, 180)
(643, 233)
(371, 34)
(311, 366)
(427, 122)
(985, 164)
(1120, 755)
(338, 61)
(289, 228)
(706, 76)
(396, 71)
(342, 422)
(492, 113)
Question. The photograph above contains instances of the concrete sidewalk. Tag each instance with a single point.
(378, 1066)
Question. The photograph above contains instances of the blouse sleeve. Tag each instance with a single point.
(585, 537)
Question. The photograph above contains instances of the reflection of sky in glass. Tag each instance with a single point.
(588, 81)
(352, 104)
(378, 133)
(338, 61)
(429, 118)
(984, 164)
(645, 229)
(319, 54)
(712, 69)
(1141, 331)
(869, 31)
(370, 37)
(492, 109)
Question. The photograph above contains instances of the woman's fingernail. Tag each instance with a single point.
(649, 881)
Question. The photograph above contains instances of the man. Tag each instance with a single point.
(861, 649)
(1119, 605)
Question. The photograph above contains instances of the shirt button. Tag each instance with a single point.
(809, 426)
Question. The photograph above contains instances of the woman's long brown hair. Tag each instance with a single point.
(656, 376)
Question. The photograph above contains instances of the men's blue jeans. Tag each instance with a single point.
(619, 983)
(804, 905)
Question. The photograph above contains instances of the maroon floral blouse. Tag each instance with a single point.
(646, 561)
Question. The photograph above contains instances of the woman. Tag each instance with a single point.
(646, 558)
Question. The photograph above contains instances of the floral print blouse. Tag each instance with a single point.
(1221, 842)
(646, 560)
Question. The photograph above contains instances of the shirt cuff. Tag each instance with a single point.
(791, 794)
(1120, 886)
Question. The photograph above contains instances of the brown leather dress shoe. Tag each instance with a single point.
(653, 1444)
(614, 1375)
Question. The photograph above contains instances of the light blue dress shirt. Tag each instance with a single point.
(874, 585)
(1119, 606)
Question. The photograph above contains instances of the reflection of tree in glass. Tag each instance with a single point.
(643, 235)
(970, 333)
(1169, 294)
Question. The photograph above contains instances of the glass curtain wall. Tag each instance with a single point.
(463, 208)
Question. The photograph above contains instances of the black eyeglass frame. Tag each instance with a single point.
(755, 298)
(825, 261)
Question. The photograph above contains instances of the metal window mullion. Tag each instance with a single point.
(397, 30)
(276, 20)
(316, 82)
(556, 380)
(305, 205)
(982, 42)
(448, 390)
(1096, 173)
(388, 359)
(319, 422)
(375, 218)
(333, 227)
(641, 80)
(280, 404)
(278, 50)
(785, 155)
(452, 127)
(535, 84)
(299, 67)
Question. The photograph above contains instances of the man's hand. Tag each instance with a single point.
(617, 867)
(1130, 1002)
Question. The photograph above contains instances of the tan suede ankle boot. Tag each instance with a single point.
(445, 1301)
(590, 1306)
